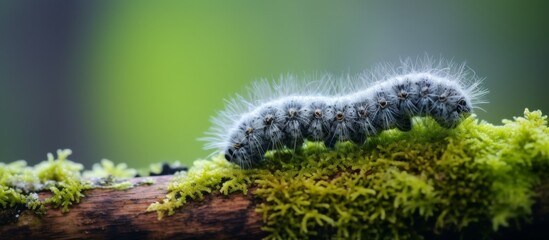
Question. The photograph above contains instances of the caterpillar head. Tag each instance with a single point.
(462, 110)
(451, 109)
(464, 107)
(246, 144)
(240, 154)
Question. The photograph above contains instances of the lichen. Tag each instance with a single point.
(398, 185)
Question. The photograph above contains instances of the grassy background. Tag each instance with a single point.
(136, 81)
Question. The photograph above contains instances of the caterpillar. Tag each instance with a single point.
(333, 109)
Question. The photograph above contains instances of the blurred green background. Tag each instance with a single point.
(137, 81)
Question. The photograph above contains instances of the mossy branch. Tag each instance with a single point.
(115, 214)
(475, 181)
(120, 214)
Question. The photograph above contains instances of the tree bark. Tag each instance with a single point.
(116, 214)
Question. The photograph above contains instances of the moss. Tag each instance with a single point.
(398, 185)
(203, 178)
(10, 197)
(20, 183)
(155, 168)
(164, 168)
(107, 168)
(66, 192)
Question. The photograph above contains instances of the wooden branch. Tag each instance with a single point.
(116, 214)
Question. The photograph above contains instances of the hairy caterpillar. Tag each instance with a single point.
(350, 108)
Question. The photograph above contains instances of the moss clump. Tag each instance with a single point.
(398, 185)
(20, 183)
(203, 178)
(107, 168)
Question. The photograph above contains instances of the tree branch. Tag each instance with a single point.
(116, 214)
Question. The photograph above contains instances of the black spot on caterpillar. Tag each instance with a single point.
(352, 108)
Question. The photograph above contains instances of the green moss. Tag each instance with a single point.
(398, 185)
(203, 178)
(10, 197)
(156, 168)
(19, 183)
(66, 192)
(107, 168)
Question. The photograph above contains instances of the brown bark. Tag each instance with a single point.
(116, 214)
